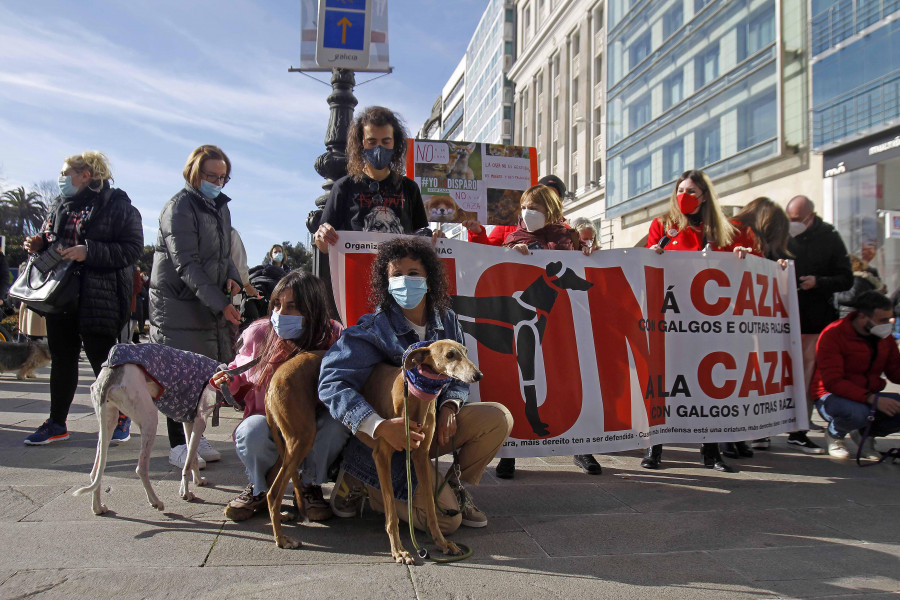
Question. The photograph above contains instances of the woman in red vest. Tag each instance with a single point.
(693, 222)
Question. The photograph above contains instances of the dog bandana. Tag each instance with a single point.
(182, 375)
(424, 382)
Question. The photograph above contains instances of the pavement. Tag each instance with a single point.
(787, 525)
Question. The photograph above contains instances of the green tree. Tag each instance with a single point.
(24, 211)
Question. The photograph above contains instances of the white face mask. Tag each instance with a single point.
(533, 219)
(883, 330)
(796, 228)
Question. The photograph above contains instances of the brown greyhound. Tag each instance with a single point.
(291, 414)
(384, 390)
(291, 417)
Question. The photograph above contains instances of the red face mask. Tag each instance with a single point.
(687, 203)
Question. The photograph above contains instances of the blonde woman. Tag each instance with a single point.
(193, 274)
(695, 221)
(94, 224)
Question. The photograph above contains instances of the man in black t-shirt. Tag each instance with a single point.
(375, 195)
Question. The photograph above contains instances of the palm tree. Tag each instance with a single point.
(24, 210)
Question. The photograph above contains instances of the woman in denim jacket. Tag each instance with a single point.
(409, 289)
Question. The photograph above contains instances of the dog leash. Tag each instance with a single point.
(421, 551)
(226, 393)
(870, 420)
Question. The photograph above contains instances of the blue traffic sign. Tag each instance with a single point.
(348, 4)
(344, 30)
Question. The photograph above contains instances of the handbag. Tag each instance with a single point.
(49, 284)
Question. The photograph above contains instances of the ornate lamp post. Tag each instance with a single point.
(332, 165)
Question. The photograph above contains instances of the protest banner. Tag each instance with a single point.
(469, 180)
(617, 350)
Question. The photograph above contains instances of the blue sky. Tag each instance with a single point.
(146, 82)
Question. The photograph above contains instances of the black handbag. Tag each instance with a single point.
(48, 284)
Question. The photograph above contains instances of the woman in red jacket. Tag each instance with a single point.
(695, 221)
(542, 227)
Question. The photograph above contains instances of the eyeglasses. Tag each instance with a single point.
(215, 178)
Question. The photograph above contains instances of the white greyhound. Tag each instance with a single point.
(128, 389)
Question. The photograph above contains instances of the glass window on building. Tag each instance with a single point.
(863, 199)
(598, 19)
(576, 43)
(639, 113)
(707, 145)
(510, 15)
(757, 121)
(673, 19)
(639, 176)
(706, 66)
(673, 90)
(639, 50)
(574, 90)
(757, 32)
(673, 160)
(699, 4)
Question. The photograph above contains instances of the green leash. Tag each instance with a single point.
(421, 551)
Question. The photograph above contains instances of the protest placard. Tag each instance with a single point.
(469, 180)
(620, 349)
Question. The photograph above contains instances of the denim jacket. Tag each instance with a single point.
(378, 337)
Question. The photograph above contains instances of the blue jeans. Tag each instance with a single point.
(845, 415)
(256, 449)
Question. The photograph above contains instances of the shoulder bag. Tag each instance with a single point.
(48, 284)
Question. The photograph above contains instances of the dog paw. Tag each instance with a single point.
(100, 510)
(288, 516)
(188, 496)
(451, 549)
(158, 505)
(402, 557)
(200, 481)
(288, 543)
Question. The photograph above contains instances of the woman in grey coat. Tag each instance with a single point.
(193, 274)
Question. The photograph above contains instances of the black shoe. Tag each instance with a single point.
(799, 440)
(587, 463)
(653, 457)
(743, 449)
(712, 458)
(506, 468)
(729, 449)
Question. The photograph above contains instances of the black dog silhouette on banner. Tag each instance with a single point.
(518, 328)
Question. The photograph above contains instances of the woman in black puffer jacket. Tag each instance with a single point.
(193, 274)
(91, 223)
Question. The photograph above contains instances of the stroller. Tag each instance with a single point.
(264, 278)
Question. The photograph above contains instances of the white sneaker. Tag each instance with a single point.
(178, 456)
(868, 448)
(836, 446)
(207, 452)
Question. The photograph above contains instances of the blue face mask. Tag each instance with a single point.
(66, 187)
(209, 190)
(408, 291)
(278, 257)
(287, 327)
(379, 157)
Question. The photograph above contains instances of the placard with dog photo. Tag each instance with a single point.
(471, 180)
(617, 350)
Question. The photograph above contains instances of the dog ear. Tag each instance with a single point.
(554, 268)
(416, 357)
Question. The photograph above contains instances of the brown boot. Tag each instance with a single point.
(315, 506)
(246, 504)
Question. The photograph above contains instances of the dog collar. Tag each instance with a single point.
(423, 382)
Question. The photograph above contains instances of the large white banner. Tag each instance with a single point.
(620, 349)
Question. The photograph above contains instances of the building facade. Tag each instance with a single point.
(855, 48)
(488, 93)
(559, 79)
(717, 85)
